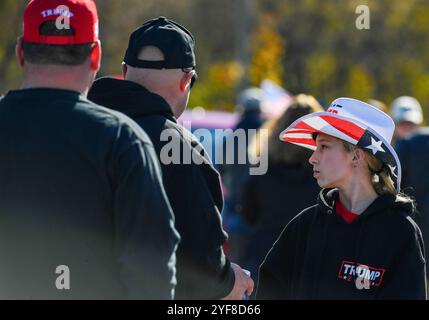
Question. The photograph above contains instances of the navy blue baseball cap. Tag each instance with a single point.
(175, 42)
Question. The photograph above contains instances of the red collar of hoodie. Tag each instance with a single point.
(342, 211)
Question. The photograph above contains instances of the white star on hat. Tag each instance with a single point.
(375, 146)
(392, 170)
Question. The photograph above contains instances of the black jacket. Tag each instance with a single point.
(320, 256)
(413, 153)
(263, 205)
(203, 271)
(80, 186)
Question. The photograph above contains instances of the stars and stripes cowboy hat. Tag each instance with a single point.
(354, 121)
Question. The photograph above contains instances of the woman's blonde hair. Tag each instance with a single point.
(380, 178)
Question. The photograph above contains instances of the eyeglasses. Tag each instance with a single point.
(194, 77)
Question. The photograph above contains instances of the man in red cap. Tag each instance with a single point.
(83, 211)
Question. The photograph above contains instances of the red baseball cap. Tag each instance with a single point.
(80, 16)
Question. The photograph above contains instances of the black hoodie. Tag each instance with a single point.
(379, 255)
(203, 271)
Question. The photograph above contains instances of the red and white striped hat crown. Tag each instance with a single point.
(353, 121)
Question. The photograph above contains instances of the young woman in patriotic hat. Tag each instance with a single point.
(358, 241)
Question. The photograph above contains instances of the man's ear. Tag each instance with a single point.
(96, 56)
(19, 52)
(185, 81)
(124, 69)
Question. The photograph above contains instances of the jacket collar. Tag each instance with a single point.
(328, 197)
(129, 97)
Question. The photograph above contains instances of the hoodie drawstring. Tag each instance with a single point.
(358, 251)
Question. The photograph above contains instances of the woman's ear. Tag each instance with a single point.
(358, 156)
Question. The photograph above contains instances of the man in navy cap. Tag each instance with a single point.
(159, 71)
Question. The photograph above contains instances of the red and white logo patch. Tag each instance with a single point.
(364, 276)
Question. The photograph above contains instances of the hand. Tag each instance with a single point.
(243, 284)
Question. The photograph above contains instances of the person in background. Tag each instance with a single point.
(413, 152)
(378, 104)
(83, 211)
(289, 178)
(411, 143)
(235, 172)
(159, 71)
(358, 241)
(407, 114)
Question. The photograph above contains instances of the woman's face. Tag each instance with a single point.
(331, 162)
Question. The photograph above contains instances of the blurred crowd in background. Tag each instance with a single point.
(304, 46)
